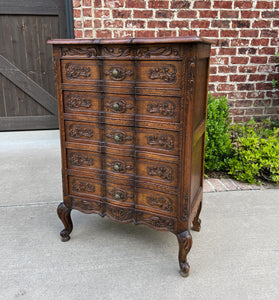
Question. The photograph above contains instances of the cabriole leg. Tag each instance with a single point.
(185, 244)
(64, 213)
(197, 221)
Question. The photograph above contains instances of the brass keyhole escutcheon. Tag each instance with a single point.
(116, 106)
(115, 73)
(118, 196)
(117, 167)
(118, 137)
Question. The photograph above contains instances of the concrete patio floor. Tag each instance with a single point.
(235, 256)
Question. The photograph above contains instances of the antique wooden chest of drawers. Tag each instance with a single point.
(132, 122)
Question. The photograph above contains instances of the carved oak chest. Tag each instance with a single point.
(132, 122)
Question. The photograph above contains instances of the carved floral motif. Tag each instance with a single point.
(89, 52)
(163, 172)
(166, 109)
(76, 71)
(166, 73)
(78, 159)
(75, 101)
(88, 206)
(120, 214)
(162, 51)
(164, 141)
(82, 187)
(164, 203)
(80, 132)
(117, 52)
(155, 221)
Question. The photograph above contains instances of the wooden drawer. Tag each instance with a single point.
(166, 109)
(81, 103)
(154, 200)
(157, 140)
(82, 132)
(80, 71)
(88, 206)
(119, 193)
(83, 160)
(119, 165)
(119, 106)
(85, 186)
(155, 221)
(159, 73)
(118, 138)
(118, 72)
(160, 172)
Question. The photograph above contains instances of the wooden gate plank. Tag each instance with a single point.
(28, 122)
(30, 87)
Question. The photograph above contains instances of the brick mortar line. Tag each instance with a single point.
(223, 185)
(208, 181)
(232, 181)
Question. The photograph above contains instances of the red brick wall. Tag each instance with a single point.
(246, 32)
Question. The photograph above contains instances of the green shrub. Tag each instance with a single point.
(218, 145)
(256, 152)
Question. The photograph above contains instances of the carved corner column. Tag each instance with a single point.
(64, 213)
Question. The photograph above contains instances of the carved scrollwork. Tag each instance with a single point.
(120, 194)
(88, 206)
(120, 214)
(162, 51)
(75, 101)
(119, 137)
(166, 73)
(155, 221)
(80, 132)
(88, 52)
(162, 202)
(118, 73)
(76, 71)
(163, 172)
(117, 52)
(166, 109)
(82, 187)
(118, 106)
(164, 141)
(119, 166)
(78, 159)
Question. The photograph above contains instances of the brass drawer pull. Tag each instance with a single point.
(118, 137)
(117, 167)
(116, 106)
(118, 196)
(115, 73)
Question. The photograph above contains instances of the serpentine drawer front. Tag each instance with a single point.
(132, 118)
